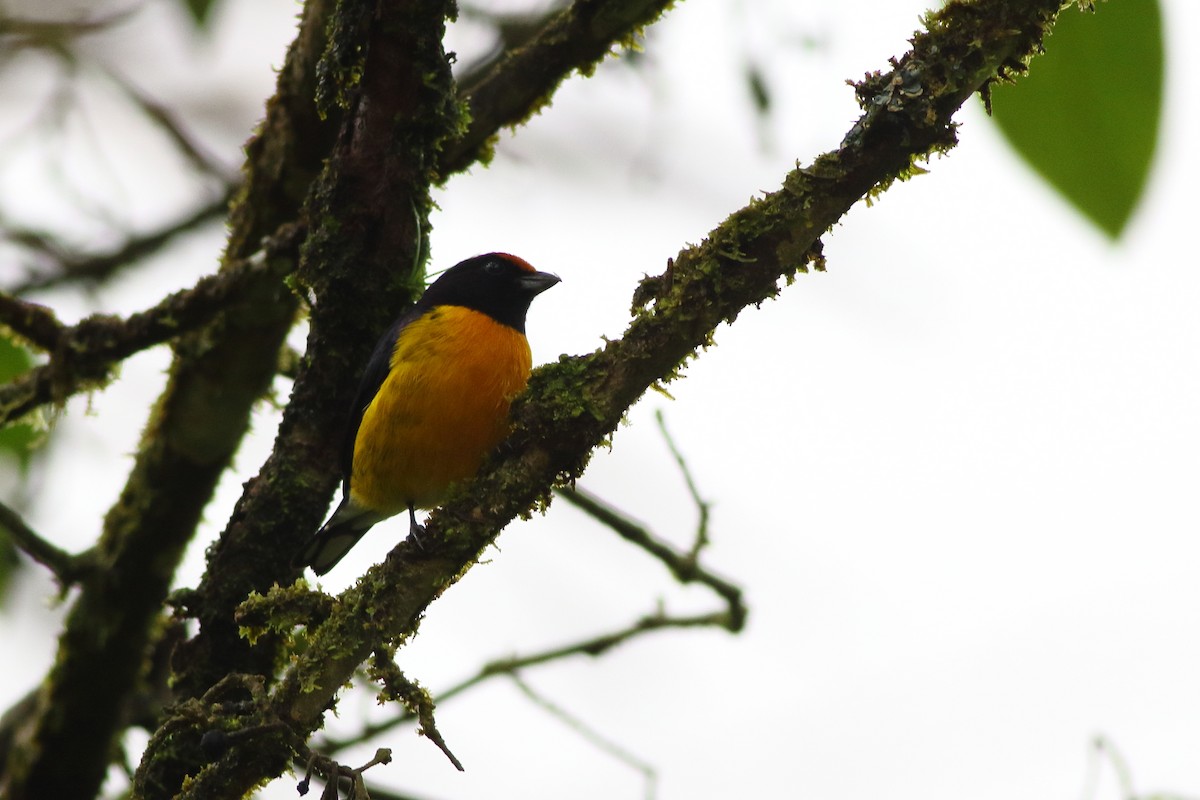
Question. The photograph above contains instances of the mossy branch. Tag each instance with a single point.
(683, 566)
(521, 82)
(384, 73)
(363, 255)
(217, 375)
(83, 356)
(592, 647)
(574, 405)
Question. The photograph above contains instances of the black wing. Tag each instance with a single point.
(373, 377)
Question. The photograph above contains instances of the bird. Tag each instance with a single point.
(433, 400)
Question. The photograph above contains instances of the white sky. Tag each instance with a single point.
(956, 475)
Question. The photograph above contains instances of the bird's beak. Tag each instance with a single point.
(537, 282)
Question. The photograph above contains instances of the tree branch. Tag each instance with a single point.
(366, 262)
(333, 771)
(523, 81)
(52, 34)
(703, 507)
(84, 355)
(573, 405)
(593, 647)
(682, 565)
(65, 567)
(514, 29)
(413, 696)
(598, 740)
(216, 377)
(35, 322)
(73, 266)
(384, 72)
(162, 116)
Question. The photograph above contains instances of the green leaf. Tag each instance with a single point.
(18, 440)
(1086, 117)
(199, 9)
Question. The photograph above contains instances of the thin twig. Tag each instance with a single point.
(598, 645)
(513, 29)
(333, 771)
(682, 565)
(51, 34)
(702, 505)
(593, 646)
(521, 81)
(87, 351)
(65, 567)
(598, 740)
(1105, 750)
(33, 321)
(165, 118)
(73, 266)
(415, 698)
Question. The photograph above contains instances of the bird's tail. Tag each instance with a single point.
(336, 537)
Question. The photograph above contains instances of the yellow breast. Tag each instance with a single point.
(442, 408)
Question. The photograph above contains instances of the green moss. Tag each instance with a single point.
(340, 69)
(281, 610)
(557, 389)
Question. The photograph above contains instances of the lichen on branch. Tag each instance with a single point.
(575, 404)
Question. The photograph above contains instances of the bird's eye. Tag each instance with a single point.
(493, 267)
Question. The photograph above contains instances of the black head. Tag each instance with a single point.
(497, 284)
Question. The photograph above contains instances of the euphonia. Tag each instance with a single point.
(434, 398)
